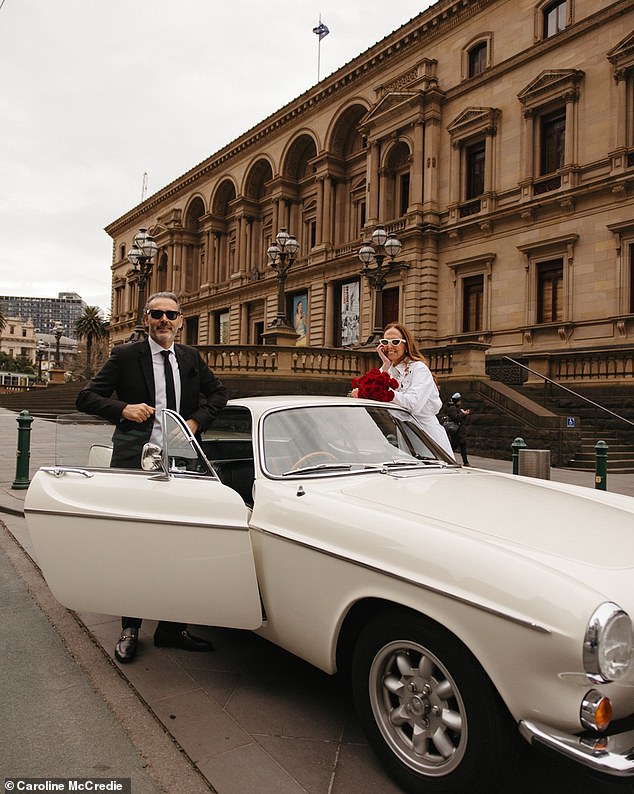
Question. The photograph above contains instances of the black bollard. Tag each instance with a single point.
(517, 444)
(23, 453)
(601, 468)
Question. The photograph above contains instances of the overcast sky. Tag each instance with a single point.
(95, 93)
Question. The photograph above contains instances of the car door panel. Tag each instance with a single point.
(131, 543)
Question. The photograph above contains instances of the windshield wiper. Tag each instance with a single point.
(396, 464)
(319, 467)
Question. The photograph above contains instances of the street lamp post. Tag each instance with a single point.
(282, 254)
(40, 349)
(375, 253)
(58, 330)
(140, 256)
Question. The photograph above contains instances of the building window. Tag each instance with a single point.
(476, 56)
(631, 301)
(309, 233)
(473, 135)
(555, 17)
(474, 168)
(221, 328)
(396, 181)
(390, 305)
(361, 217)
(621, 58)
(549, 280)
(191, 330)
(477, 59)
(472, 298)
(472, 303)
(404, 190)
(550, 291)
(550, 147)
(552, 141)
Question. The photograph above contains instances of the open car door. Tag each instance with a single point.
(172, 543)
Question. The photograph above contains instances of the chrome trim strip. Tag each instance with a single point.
(375, 569)
(148, 519)
(612, 755)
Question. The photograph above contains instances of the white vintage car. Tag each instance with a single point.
(464, 605)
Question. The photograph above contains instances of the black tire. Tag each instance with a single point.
(427, 708)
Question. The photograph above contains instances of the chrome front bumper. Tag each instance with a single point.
(612, 755)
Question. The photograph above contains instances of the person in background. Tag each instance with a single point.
(456, 425)
(147, 377)
(417, 390)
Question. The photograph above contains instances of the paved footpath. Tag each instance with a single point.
(246, 719)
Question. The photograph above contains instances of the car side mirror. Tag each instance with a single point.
(151, 457)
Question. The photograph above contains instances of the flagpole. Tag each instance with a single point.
(321, 30)
(319, 51)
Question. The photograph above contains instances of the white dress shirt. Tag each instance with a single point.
(160, 394)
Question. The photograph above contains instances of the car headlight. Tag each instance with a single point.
(607, 644)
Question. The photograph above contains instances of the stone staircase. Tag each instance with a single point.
(45, 402)
(595, 425)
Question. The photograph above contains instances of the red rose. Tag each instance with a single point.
(375, 385)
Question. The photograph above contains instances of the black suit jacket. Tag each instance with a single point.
(129, 375)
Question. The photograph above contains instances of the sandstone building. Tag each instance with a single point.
(494, 138)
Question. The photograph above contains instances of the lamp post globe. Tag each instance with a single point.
(141, 256)
(373, 255)
(282, 255)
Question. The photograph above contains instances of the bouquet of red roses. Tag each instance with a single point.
(376, 385)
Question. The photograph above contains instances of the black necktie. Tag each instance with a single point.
(170, 392)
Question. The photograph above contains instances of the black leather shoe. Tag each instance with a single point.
(181, 639)
(125, 649)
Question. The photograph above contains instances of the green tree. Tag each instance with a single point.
(90, 326)
(19, 364)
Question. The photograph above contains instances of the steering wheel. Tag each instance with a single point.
(310, 455)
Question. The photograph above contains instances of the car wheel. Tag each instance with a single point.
(427, 708)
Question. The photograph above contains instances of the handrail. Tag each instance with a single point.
(570, 391)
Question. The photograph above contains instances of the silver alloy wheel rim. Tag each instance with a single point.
(418, 708)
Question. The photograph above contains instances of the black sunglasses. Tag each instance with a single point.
(156, 314)
(395, 342)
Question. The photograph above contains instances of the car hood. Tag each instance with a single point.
(557, 524)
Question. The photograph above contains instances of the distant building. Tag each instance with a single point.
(45, 312)
(17, 338)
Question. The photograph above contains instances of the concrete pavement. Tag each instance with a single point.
(247, 718)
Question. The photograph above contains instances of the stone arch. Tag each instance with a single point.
(223, 195)
(344, 138)
(397, 157)
(260, 174)
(194, 212)
(296, 165)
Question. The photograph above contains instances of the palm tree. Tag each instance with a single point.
(3, 320)
(90, 325)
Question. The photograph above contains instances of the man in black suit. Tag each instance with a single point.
(147, 377)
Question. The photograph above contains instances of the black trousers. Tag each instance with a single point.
(164, 625)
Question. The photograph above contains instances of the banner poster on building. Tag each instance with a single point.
(223, 328)
(300, 315)
(350, 313)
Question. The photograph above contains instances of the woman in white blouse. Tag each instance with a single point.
(417, 389)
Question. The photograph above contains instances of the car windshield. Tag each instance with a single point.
(345, 438)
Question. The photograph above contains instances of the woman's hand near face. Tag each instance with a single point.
(381, 350)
